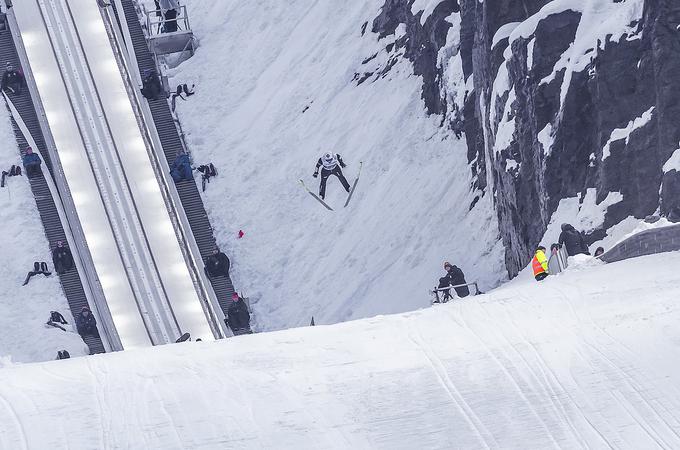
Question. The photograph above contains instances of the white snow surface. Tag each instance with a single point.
(504, 32)
(259, 66)
(426, 6)
(546, 139)
(625, 133)
(673, 162)
(24, 310)
(585, 359)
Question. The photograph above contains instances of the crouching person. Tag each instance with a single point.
(238, 317)
(181, 168)
(32, 163)
(86, 323)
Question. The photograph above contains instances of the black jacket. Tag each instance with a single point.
(573, 241)
(85, 323)
(151, 86)
(238, 317)
(62, 259)
(455, 277)
(12, 78)
(217, 265)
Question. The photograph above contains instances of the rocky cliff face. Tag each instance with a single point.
(558, 99)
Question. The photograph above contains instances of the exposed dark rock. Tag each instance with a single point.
(624, 80)
(421, 43)
(627, 78)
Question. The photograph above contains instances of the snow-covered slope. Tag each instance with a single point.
(276, 88)
(24, 337)
(587, 359)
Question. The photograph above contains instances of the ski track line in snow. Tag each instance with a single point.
(504, 368)
(17, 421)
(550, 385)
(439, 371)
(550, 376)
(637, 392)
(552, 381)
(615, 341)
(625, 377)
(97, 388)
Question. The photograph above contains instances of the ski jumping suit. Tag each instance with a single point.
(331, 167)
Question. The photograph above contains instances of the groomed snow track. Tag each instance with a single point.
(54, 229)
(169, 136)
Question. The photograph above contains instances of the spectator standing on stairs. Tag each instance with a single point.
(62, 258)
(217, 264)
(32, 163)
(238, 317)
(12, 80)
(86, 323)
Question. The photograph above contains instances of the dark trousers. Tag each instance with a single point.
(88, 330)
(324, 177)
(541, 276)
(33, 170)
(170, 25)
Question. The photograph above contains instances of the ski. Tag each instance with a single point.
(183, 338)
(354, 185)
(315, 196)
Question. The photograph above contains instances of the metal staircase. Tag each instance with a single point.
(54, 229)
(172, 144)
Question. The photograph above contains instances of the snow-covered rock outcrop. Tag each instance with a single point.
(561, 96)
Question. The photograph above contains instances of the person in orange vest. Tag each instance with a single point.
(540, 264)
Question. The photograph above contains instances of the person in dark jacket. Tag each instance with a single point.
(151, 85)
(86, 323)
(217, 264)
(181, 168)
(238, 317)
(573, 241)
(456, 277)
(12, 80)
(62, 258)
(32, 163)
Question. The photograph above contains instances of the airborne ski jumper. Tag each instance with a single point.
(330, 165)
